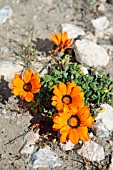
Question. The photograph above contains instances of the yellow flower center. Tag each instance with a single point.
(66, 99)
(27, 87)
(73, 121)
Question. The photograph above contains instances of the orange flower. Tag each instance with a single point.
(73, 125)
(67, 96)
(26, 87)
(61, 41)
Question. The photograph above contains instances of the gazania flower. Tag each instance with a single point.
(73, 126)
(61, 41)
(26, 87)
(67, 96)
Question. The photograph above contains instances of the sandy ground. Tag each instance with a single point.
(43, 17)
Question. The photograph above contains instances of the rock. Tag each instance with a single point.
(109, 49)
(89, 36)
(91, 135)
(84, 70)
(91, 54)
(68, 146)
(100, 23)
(45, 158)
(101, 8)
(106, 34)
(103, 1)
(27, 148)
(29, 142)
(5, 13)
(100, 130)
(92, 151)
(8, 69)
(106, 117)
(73, 30)
(31, 137)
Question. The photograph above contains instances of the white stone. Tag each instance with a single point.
(73, 30)
(103, 1)
(101, 8)
(91, 135)
(67, 146)
(91, 54)
(8, 69)
(5, 13)
(106, 117)
(100, 23)
(31, 137)
(100, 130)
(84, 70)
(92, 151)
(89, 36)
(45, 158)
(27, 148)
(105, 33)
(29, 142)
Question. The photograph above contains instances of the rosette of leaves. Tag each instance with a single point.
(97, 86)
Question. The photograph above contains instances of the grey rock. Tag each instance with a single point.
(29, 142)
(5, 13)
(67, 146)
(89, 36)
(106, 117)
(106, 34)
(100, 23)
(27, 148)
(45, 158)
(92, 151)
(32, 137)
(100, 130)
(8, 69)
(91, 54)
(103, 1)
(101, 8)
(73, 30)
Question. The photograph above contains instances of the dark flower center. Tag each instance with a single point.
(73, 121)
(27, 87)
(66, 99)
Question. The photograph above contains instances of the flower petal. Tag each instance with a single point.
(56, 91)
(69, 87)
(82, 133)
(29, 97)
(73, 136)
(88, 122)
(64, 129)
(83, 113)
(27, 76)
(59, 36)
(62, 88)
(64, 37)
(59, 106)
(75, 91)
(54, 103)
(18, 83)
(63, 137)
(54, 39)
(56, 98)
(73, 107)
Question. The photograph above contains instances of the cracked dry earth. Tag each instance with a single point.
(44, 16)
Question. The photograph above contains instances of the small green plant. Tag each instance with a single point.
(97, 88)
